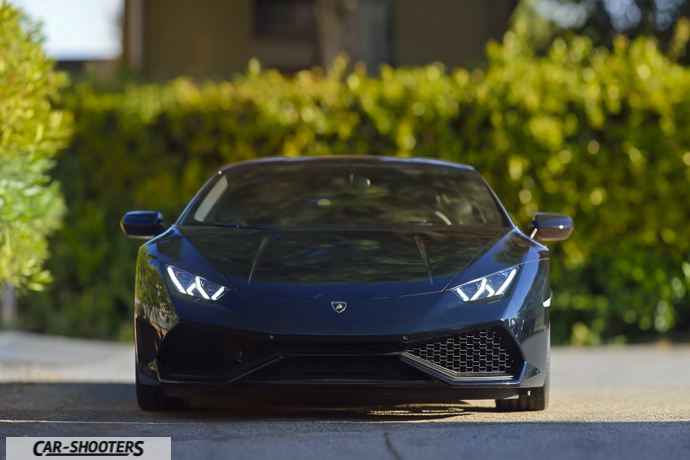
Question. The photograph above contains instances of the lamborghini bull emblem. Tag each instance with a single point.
(339, 306)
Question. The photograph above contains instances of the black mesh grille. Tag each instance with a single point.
(192, 352)
(483, 351)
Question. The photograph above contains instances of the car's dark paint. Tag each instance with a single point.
(366, 314)
(548, 226)
(142, 224)
(522, 311)
(308, 264)
(283, 284)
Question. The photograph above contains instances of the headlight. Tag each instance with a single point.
(195, 286)
(489, 287)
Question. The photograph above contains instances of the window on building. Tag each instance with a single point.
(284, 18)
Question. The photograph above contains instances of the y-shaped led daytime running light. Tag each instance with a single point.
(489, 287)
(195, 286)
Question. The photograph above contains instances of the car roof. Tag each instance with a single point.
(350, 160)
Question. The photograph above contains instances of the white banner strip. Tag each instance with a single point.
(88, 448)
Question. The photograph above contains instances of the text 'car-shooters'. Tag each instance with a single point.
(344, 274)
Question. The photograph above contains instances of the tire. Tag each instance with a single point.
(537, 400)
(151, 398)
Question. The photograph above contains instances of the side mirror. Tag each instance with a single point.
(142, 224)
(547, 226)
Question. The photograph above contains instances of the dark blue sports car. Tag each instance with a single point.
(343, 273)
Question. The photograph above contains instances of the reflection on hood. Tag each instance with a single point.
(369, 263)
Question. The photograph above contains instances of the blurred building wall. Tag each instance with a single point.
(215, 38)
(454, 32)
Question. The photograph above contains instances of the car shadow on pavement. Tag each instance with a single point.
(340, 427)
(36, 400)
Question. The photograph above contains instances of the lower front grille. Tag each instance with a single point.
(482, 351)
(190, 352)
(339, 369)
(195, 353)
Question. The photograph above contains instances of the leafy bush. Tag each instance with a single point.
(600, 135)
(31, 132)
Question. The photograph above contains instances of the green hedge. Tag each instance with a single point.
(31, 132)
(603, 136)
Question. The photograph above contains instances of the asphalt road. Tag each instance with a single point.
(609, 403)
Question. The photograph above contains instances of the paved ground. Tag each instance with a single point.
(608, 403)
(39, 358)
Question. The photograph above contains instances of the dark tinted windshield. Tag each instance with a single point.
(312, 194)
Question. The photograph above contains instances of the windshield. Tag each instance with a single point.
(315, 195)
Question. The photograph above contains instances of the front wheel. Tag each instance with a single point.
(538, 399)
(151, 398)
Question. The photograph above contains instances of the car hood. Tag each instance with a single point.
(372, 264)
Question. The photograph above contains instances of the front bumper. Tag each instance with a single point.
(202, 358)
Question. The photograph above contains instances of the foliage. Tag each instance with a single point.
(598, 134)
(603, 20)
(31, 207)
